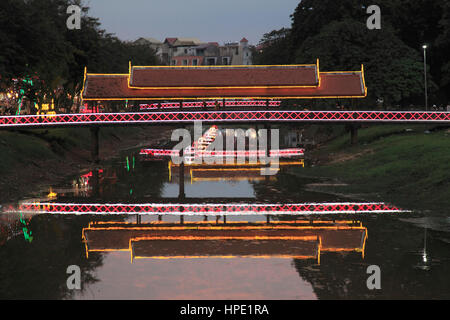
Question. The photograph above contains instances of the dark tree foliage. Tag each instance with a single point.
(393, 71)
(336, 33)
(273, 47)
(35, 42)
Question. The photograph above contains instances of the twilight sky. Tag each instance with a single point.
(208, 20)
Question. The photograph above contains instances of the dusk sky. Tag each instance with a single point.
(207, 20)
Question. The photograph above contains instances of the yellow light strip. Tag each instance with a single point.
(107, 74)
(207, 238)
(225, 87)
(364, 243)
(92, 223)
(261, 165)
(280, 256)
(231, 66)
(318, 72)
(232, 179)
(363, 80)
(231, 98)
(346, 72)
(84, 82)
(220, 227)
(319, 250)
(220, 87)
(107, 250)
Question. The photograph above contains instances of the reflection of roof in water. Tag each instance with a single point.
(227, 174)
(231, 171)
(298, 239)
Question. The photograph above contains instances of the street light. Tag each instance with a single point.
(425, 74)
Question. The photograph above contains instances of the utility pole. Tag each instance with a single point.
(425, 74)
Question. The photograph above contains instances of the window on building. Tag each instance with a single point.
(225, 61)
(237, 50)
(194, 62)
(185, 50)
(210, 61)
(173, 63)
(185, 62)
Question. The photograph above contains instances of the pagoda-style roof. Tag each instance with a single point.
(210, 82)
(230, 76)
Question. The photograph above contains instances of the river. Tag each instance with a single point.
(411, 249)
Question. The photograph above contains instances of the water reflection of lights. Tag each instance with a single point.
(51, 194)
(226, 166)
(424, 255)
(15, 225)
(298, 239)
(290, 152)
(199, 153)
(229, 174)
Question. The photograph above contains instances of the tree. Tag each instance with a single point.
(336, 32)
(36, 42)
(273, 48)
(392, 70)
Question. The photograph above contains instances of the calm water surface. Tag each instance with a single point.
(411, 249)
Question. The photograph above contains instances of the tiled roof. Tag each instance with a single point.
(115, 87)
(224, 76)
(170, 40)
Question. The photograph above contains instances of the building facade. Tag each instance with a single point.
(193, 52)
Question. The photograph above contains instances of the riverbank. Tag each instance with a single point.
(407, 165)
(31, 159)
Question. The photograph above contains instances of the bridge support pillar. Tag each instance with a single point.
(268, 148)
(95, 144)
(353, 134)
(181, 194)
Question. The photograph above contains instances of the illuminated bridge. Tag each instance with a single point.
(178, 93)
(257, 88)
(210, 208)
(184, 117)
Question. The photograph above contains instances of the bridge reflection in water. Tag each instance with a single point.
(296, 239)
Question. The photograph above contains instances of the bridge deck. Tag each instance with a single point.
(179, 117)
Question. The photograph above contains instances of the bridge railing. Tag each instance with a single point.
(222, 116)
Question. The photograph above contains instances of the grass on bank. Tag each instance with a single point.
(22, 147)
(401, 164)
